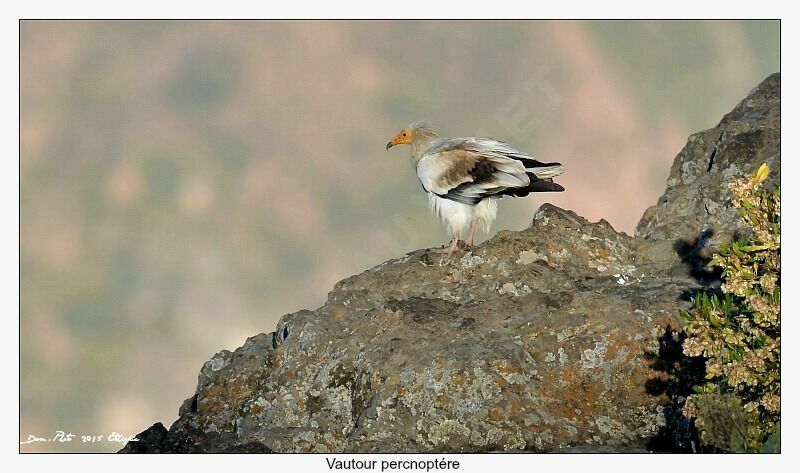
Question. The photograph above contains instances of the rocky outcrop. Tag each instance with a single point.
(544, 339)
(697, 199)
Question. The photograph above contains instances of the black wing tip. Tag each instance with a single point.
(460, 198)
(546, 185)
(533, 163)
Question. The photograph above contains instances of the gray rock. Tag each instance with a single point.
(698, 200)
(540, 340)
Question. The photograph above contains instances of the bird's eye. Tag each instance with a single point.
(404, 134)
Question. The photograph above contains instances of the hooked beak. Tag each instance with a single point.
(389, 145)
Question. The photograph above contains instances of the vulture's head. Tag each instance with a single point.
(417, 134)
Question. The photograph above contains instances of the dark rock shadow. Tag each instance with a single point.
(695, 256)
(678, 374)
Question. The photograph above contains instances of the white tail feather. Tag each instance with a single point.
(547, 172)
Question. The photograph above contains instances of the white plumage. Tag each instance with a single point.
(456, 216)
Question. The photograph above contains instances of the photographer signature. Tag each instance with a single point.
(62, 437)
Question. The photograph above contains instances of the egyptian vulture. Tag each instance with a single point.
(464, 177)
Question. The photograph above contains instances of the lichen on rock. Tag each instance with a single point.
(540, 339)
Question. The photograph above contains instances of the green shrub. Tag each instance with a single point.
(738, 331)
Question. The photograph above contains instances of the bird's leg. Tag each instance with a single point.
(443, 249)
(470, 238)
(450, 249)
(454, 246)
(446, 254)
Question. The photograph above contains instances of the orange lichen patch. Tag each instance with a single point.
(301, 404)
(458, 380)
(496, 414)
(630, 356)
(582, 392)
(497, 378)
(243, 389)
(562, 435)
(400, 391)
(339, 313)
(602, 253)
(255, 409)
(616, 343)
(507, 367)
(611, 351)
(533, 427)
(375, 380)
(565, 409)
(593, 391)
(206, 403)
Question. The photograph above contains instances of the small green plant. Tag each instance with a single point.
(738, 332)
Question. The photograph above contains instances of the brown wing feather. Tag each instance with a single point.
(465, 174)
(461, 166)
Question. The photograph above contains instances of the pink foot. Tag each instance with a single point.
(447, 250)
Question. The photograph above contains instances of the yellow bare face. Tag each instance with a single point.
(402, 138)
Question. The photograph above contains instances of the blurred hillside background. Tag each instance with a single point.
(184, 184)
